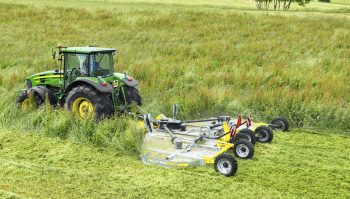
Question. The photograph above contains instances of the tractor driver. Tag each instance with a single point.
(83, 63)
(94, 64)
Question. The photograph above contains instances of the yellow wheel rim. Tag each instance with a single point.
(83, 107)
(25, 104)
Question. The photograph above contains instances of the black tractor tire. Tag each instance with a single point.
(264, 134)
(243, 149)
(38, 101)
(101, 102)
(132, 95)
(281, 122)
(246, 134)
(21, 98)
(225, 164)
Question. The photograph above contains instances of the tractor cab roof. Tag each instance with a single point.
(86, 50)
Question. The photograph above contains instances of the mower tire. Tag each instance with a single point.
(246, 134)
(86, 101)
(264, 134)
(243, 149)
(225, 164)
(282, 124)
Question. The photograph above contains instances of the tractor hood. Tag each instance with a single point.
(52, 78)
(45, 74)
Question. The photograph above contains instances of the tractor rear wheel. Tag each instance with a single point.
(23, 100)
(86, 102)
(132, 95)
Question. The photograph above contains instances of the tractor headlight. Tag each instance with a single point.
(28, 84)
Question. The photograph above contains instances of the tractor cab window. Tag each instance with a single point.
(101, 64)
(77, 63)
(96, 64)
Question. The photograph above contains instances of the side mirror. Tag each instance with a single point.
(175, 110)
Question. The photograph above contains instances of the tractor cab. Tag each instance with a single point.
(86, 62)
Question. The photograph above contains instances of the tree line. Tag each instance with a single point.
(278, 4)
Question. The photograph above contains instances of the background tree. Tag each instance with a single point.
(278, 4)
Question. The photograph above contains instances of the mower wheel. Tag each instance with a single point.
(23, 100)
(264, 134)
(246, 134)
(282, 124)
(86, 101)
(243, 149)
(225, 164)
(132, 95)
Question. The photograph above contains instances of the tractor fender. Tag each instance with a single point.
(131, 82)
(103, 89)
(43, 92)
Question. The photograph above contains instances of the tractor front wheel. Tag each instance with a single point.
(24, 101)
(86, 102)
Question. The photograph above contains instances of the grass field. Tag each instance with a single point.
(211, 57)
(263, 63)
(296, 165)
(183, 4)
(345, 2)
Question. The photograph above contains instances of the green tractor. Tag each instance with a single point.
(87, 85)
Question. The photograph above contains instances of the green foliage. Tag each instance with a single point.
(325, 1)
(302, 2)
(278, 4)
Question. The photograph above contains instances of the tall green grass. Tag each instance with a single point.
(119, 133)
(211, 62)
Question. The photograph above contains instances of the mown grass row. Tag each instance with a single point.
(209, 62)
(296, 165)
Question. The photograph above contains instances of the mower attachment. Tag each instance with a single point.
(193, 143)
(174, 143)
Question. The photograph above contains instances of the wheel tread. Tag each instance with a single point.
(102, 103)
(229, 158)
